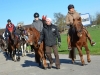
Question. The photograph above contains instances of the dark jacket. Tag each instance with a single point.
(19, 30)
(8, 29)
(50, 35)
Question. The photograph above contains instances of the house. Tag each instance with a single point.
(2, 30)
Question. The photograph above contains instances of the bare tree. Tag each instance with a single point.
(98, 18)
(60, 21)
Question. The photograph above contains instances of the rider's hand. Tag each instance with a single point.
(59, 44)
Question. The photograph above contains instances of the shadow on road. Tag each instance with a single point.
(31, 55)
(69, 61)
(29, 63)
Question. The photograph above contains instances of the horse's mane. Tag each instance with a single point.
(35, 32)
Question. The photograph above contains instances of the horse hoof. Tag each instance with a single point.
(23, 55)
(14, 60)
(82, 64)
(45, 68)
(18, 59)
(89, 61)
(73, 62)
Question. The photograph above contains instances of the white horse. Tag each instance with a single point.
(23, 45)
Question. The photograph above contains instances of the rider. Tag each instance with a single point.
(19, 30)
(9, 28)
(37, 23)
(72, 14)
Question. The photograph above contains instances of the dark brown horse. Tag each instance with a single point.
(13, 45)
(79, 40)
(2, 43)
(33, 37)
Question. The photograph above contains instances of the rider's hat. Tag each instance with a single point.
(36, 15)
(70, 6)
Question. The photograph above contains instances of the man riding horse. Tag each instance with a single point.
(37, 24)
(9, 28)
(72, 14)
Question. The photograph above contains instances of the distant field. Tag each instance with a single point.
(95, 34)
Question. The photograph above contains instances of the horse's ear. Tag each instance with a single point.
(30, 28)
(73, 19)
(79, 19)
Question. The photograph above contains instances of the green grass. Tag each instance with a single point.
(95, 35)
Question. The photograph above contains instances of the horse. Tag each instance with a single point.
(23, 43)
(13, 45)
(79, 40)
(33, 37)
(2, 43)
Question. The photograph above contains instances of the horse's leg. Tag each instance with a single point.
(88, 54)
(14, 55)
(32, 49)
(18, 59)
(37, 57)
(81, 55)
(22, 50)
(25, 49)
(42, 57)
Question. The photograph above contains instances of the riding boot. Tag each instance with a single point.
(89, 38)
(6, 44)
(69, 42)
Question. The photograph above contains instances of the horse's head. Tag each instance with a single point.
(12, 35)
(78, 26)
(31, 35)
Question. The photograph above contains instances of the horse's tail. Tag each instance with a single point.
(72, 53)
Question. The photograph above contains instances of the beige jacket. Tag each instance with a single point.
(70, 16)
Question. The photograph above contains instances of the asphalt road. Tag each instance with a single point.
(27, 66)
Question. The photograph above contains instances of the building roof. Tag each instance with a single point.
(2, 30)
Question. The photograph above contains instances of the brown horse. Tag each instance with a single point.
(79, 40)
(13, 45)
(33, 37)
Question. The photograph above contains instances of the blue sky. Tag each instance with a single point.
(23, 10)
